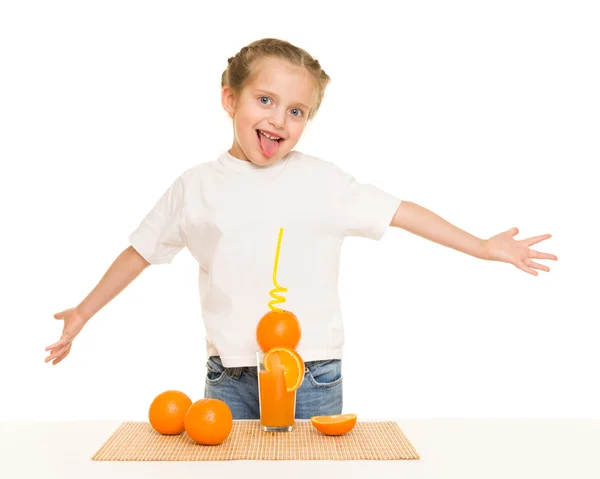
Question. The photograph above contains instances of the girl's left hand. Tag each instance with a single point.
(503, 247)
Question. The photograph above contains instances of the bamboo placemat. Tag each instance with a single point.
(137, 441)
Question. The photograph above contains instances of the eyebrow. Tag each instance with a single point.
(260, 90)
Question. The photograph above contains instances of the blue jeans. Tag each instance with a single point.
(319, 395)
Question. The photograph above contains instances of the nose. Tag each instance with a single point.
(277, 119)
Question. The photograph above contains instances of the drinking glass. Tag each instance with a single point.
(277, 404)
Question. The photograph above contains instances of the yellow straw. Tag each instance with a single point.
(277, 289)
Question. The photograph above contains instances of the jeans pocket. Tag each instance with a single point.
(324, 374)
(215, 371)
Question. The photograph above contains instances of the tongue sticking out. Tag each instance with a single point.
(268, 147)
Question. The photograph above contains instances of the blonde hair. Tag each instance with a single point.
(239, 67)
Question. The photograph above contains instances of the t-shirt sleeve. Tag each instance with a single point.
(159, 237)
(364, 209)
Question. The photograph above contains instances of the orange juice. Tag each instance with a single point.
(277, 405)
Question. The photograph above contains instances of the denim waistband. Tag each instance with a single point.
(237, 371)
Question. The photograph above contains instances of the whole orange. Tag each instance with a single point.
(208, 421)
(278, 328)
(168, 410)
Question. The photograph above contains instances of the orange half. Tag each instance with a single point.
(335, 425)
(290, 361)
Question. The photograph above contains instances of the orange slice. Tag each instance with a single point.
(334, 425)
(290, 361)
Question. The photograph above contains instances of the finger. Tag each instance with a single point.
(59, 315)
(56, 345)
(526, 269)
(62, 356)
(57, 352)
(64, 339)
(537, 255)
(50, 358)
(513, 231)
(533, 264)
(59, 359)
(536, 239)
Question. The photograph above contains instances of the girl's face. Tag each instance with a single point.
(274, 103)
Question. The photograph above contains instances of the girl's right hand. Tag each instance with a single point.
(73, 324)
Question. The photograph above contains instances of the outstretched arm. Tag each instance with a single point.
(501, 247)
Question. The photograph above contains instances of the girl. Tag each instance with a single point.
(228, 213)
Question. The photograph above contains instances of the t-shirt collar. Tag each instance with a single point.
(232, 163)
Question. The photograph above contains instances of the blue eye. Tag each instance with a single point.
(264, 98)
(299, 112)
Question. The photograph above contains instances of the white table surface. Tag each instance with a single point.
(449, 448)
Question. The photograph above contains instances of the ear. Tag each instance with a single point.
(228, 100)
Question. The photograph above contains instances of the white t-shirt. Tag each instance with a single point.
(228, 213)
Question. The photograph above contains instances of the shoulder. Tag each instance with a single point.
(196, 177)
(197, 171)
(189, 183)
(316, 164)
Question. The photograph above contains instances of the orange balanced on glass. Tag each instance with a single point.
(280, 367)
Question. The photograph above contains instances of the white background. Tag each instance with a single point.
(484, 112)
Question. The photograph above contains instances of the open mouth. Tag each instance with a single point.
(268, 143)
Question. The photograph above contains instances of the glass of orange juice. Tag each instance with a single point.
(277, 404)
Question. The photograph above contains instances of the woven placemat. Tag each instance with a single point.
(137, 441)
